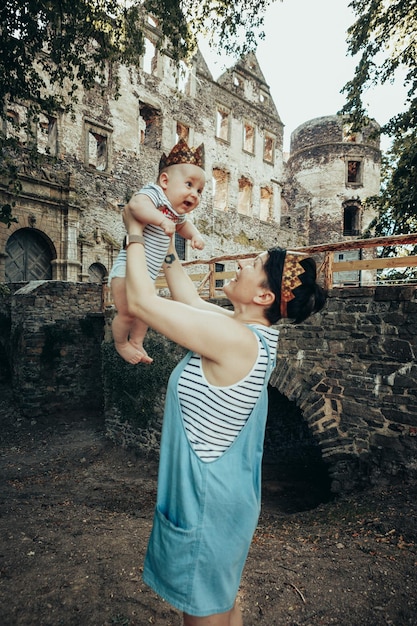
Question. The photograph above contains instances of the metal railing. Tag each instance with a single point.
(209, 280)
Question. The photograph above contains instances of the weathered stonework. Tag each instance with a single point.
(321, 150)
(352, 373)
(69, 207)
(56, 329)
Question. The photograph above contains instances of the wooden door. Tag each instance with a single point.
(28, 257)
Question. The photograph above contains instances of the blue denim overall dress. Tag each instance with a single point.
(206, 513)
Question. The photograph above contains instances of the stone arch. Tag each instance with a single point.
(97, 273)
(321, 414)
(352, 213)
(29, 256)
(292, 456)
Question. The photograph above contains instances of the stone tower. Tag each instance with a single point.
(331, 170)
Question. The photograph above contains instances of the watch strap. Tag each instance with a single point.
(133, 239)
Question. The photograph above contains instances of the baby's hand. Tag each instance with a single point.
(197, 243)
(167, 226)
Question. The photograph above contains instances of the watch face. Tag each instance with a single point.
(124, 242)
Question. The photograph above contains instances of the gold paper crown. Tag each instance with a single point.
(290, 281)
(182, 153)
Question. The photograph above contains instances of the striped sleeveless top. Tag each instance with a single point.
(214, 416)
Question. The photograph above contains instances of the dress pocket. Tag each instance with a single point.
(171, 557)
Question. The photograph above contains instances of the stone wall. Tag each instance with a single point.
(350, 370)
(321, 150)
(53, 347)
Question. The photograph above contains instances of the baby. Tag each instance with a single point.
(163, 207)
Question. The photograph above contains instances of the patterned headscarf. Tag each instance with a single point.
(289, 281)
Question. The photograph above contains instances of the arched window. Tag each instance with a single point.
(351, 220)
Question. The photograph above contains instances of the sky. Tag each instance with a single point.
(305, 62)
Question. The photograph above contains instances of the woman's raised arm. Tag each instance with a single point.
(182, 287)
(207, 331)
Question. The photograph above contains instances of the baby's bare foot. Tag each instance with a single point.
(131, 354)
(145, 358)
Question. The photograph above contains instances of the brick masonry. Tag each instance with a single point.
(350, 370)
(51, 333)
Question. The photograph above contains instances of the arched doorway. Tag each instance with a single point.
(295, 477)
(97, 273)
(29, 256)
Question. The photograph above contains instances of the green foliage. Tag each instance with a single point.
(56, 336)
(232, 26)
(136, 390)
(5, 291)
(396, 206)
(384, 35)
(397, 203)
(49, 48)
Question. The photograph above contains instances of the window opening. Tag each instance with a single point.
(265, 211)
(222, 124)
(16, 124)
(182, 132)
(97, 150)
(244, 201)
(269, 149)
(351, 220)
(150, 57)
(354, 172)
(237, 81)
(220, 189)
(180, 246)
(150, 125)
(219, 267)
(184, 78)
(47, 135)
(249, 138)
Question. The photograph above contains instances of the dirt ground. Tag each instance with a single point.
(75, 516)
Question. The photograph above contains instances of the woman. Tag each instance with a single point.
(209, 478)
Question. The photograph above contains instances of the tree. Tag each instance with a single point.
(396, 207)
(50, 47)
(384, 35)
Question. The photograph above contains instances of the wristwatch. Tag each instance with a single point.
(133, 239)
